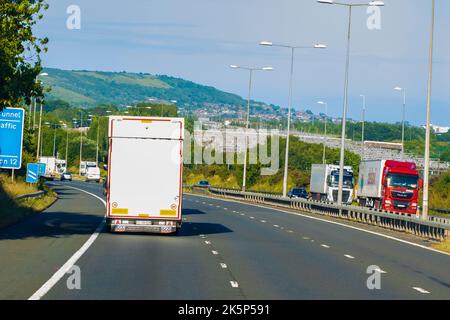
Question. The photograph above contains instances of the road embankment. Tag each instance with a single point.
(13, 210)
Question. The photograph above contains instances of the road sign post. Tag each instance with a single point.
(11, 138)
(32, 173)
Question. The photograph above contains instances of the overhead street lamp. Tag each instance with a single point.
(293, 48)
(403, 119)
(347, 68)
(251, 70)
(325, 134)
(426, 170)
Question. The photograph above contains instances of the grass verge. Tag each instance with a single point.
(12, 210)
(443, 246)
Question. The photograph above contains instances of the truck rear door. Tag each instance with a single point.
(145, 168)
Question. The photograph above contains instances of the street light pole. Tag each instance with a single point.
(251, 70)
(347, 68)
(426, 172)
(403, 91)
(81, 139)
(54, 141)
(363, 118)
(291, 83)
(40, 124)
(325, 133)
(98, 134)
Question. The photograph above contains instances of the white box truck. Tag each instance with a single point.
(325, 183)
(51, 169)
(145, 166)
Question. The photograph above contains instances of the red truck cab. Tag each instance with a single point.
(401, 186)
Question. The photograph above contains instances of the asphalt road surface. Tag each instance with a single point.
(225, 250)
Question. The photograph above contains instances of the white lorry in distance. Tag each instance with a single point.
(325, 183)
(50, 167)
(93, 174)
(145, 166)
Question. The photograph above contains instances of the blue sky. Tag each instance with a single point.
(199, 39)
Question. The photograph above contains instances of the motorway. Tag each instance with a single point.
(225, 250)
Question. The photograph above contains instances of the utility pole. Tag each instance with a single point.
(426, 173)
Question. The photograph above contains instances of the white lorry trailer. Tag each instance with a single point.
(50, 167)
(325, 183)
(145, 165)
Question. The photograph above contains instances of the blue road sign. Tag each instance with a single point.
(32, 173)
(11, 138)
(42, 167)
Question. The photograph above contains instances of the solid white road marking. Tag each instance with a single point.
(339, 224)
(234, 284)
(349, 256)
(421, 290)
(325, 246)
(223, 265)
(46, 287)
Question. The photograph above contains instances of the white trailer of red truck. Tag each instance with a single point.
(145, 166)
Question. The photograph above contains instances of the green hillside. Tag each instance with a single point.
(90, 88)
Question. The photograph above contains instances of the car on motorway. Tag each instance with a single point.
(66, 176)
(203, 183)
(298, 193)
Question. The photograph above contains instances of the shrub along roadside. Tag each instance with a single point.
(12, 210)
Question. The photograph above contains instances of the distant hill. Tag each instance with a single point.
(90, 88)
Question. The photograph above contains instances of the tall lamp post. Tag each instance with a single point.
(403, 91)
(347, 69)
(325, 134)
(426, 169)
(250, 70)
(363, 123)
(40, 124)
(292, 48)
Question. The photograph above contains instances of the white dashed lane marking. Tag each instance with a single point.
(423, 291)
(234, 284)
(276, 226)
(223, 265)
(214, 252)
(380, 270)
(325, 246)
(349, 256)
(208, 242)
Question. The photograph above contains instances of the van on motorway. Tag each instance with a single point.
(145, 166)
(93, 174)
